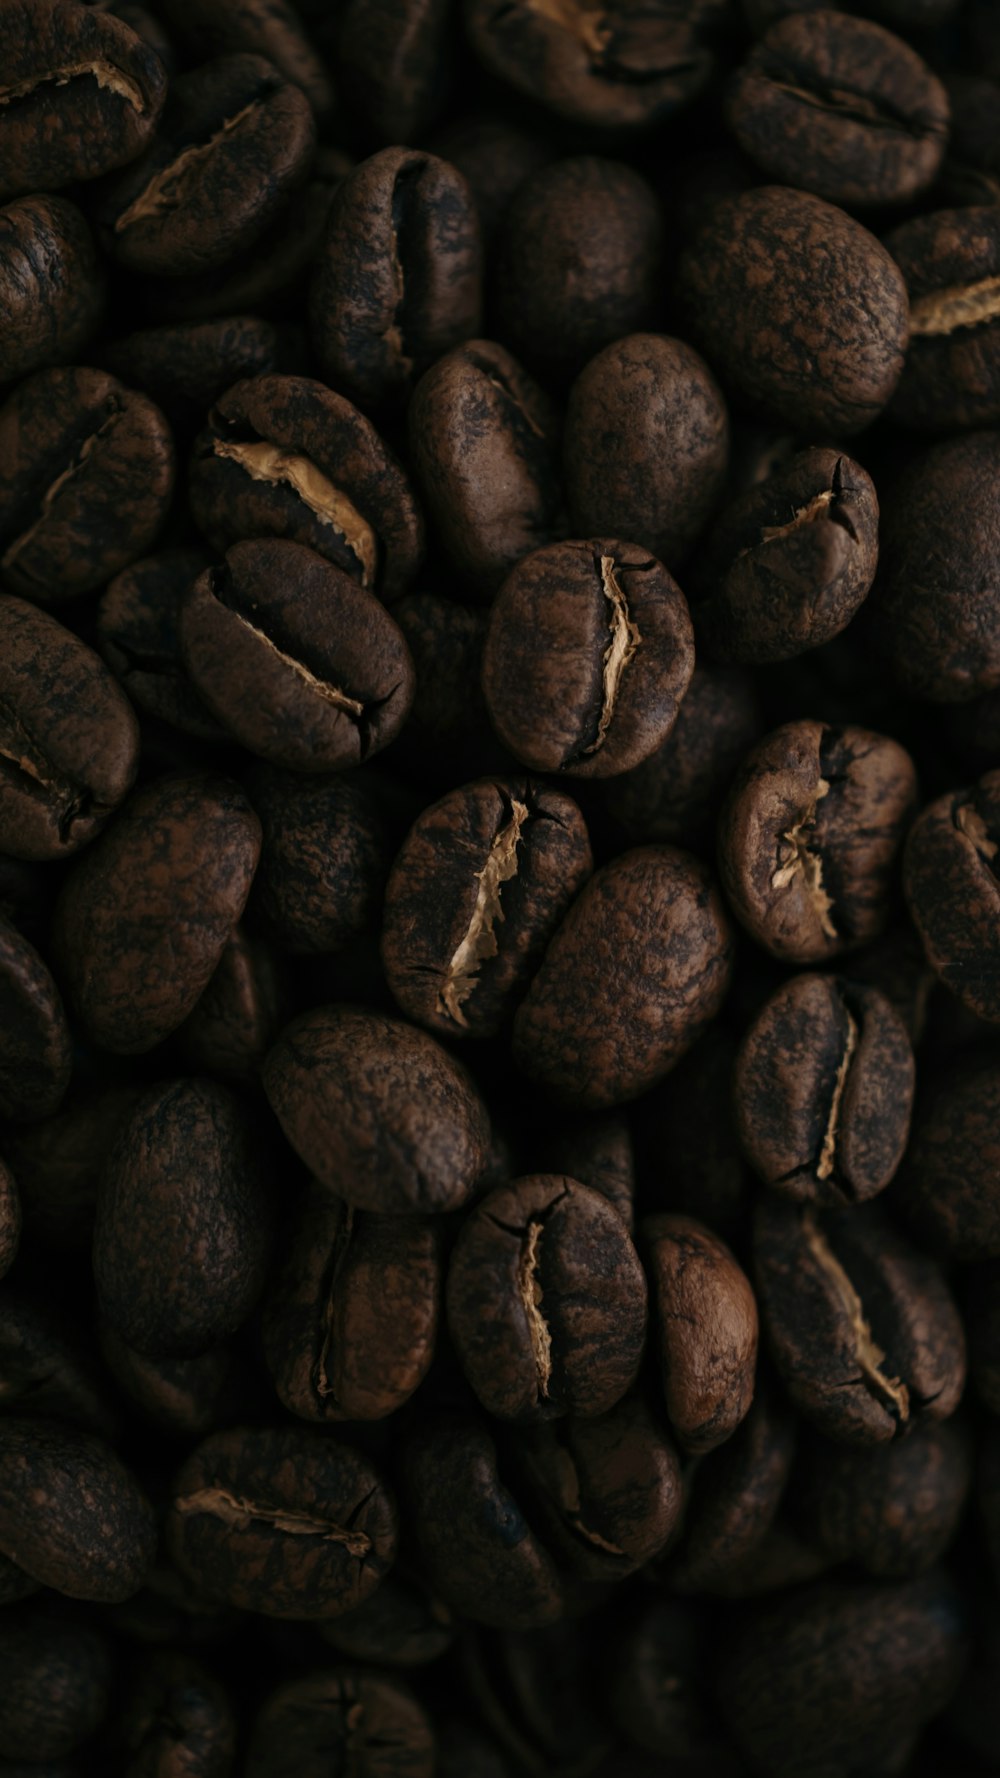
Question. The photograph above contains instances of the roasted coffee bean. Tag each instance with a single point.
(656, 920)
(448, 719)
(705, 1329)
(81, 94)
(661, 1690)
(237, 1017)
(324, 860)
(579, 263)
(647, 444)
(286, 457)
(137, 635)
(86, 476)
(687, 1148)
(808, 838)
(480, 1552)
(950, 879)
(235, 140)
(616, 69)
(484, 440)
(840, 107)
(177, 1718)
(351, 1318)
(790, 562)
(588, 654)
(537, 1691)
(301, 665)
(55, 1683)
(735, 1495)
(394, 64)
(480, 884)
(51, 284)
(675, 793)
(398, 280)
(184, 365)
(800, 309)
(546, 1301)
(48, 1368)
(861, 1326)
(281, 1522)
(182, 1237)
(385, 1118)
(402, 1624)
(71, 1515)
(10, 1218)
(339, 1721)
(893, 1509)
(36, 1052)
(598, 1152)
(949, 1189)
(936, 605)
(824, 1090)
(181, 1397)
(57, 1162)
(951, 263)
(144, 919)
(841, 1678)
(268, 28)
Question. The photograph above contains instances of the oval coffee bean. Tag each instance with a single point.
(546, 1301)
(177, 1718)
(951, 263)
(705, 1329)
(588, 654)
(949, 1189)
(36, 1049)
(51, 284)
(144, 918)
(299, 664)
(71, 1515)
(892, 1509)
(655, 920)
(281, 1522)
(55, 1683)
(323, 862)
(137, 633)
(950, 878)
(385, 1118)
(735, 1495)
(823, 1090)
(69, 741)
(376, 1721)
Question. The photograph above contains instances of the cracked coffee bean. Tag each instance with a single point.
(300, 664)
(137, 634)
(479, 886)
(892, 1509)
(69, 741)
(705, 1329)
(286, 457)
(384, 1117)
(235, 141)
(799, 308)
(546, 1301)
(949, 1189)
(36, 1049)
(840, 107)
(177, 1718)
(71, 1515)
(951, 263)
(808, 838)
(952, 890)
(81, 94)
(861, 1326)
(735, 1495)
(51, 284)
(823, 1090)
(398, 278)
(281, 1522)
(86, 477)
(588, 654)
(324, 860)
(339, 1721)
(789, 563)
(55, 1683)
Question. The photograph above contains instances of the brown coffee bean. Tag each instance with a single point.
(735, 1494)
(55, 1683)
(301, 665)
(144, 918)
(324, 859)
(36, 1051)
(949, 1188)
(237, 1017)
(370, 1718)
(71, 1515)
(385, 1118)
(950, 880)
(893, 1509)
(51, 284)
(137, 635)
(706, 1329)
(177, 1718)
(951, 263)
(267, 28)
(494, 155)
(187, 364)
(655, 920)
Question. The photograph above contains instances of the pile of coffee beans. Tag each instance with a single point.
(499, 889)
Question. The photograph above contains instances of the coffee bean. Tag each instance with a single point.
(177, 1716)
(676, 792)
(705, 1329)
(302, 666)
(385, 1118)
(144, 918)
(281, 1522)
(402, 1624)
(55, 1683)
(949, 1189)
(893, 1509)
(237, 1017)
(345, 1719)
(736, 1492)
(952, 891)
(71, 1515)
(951, 263)
(656, 919)
(800, 309)
(137, 635)
(36, 1052)
(188, 363)
(51, 282)
(808, 838)
(494, 153)
(546, 1301)
(324, 860)
(267, 28)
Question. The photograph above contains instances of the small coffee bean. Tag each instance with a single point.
(323, 863)
(799, 307)
(656, 920)
(71, 1515)
(598, 1152)
(385, 1118)
(81, 94)
(301, 665)
(55, 1683)
(267, 28)
(675, 793)
(281, 1522)
(181, 1397)
(402, 1624)
(286, 457)
(823, 1090)
(394, 64)
(951, 263)
(808, 838)
(588, 655)
(790, 562)
(861, 1326)
(344, 1719)
(36, 1051)
(187, 364)
(86, 477)
(10, 1218)
(951, 886)
(840, 107)
(177, 1718)
(546, 1301)
(893, 1509)
(51, 284)
(398, 279)
(736, 1492)
(137, 635)
(144, 918)
(351, 1319)
(235, 140)
(705, 1320)
(236, 1019)
(949, 1189)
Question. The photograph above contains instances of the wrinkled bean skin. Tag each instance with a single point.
(137, 635)
(951, 263)
(51, 282)
(340, 1721)
(953, 893)
(71, 1515)
(706, 1329)
(323, 863)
